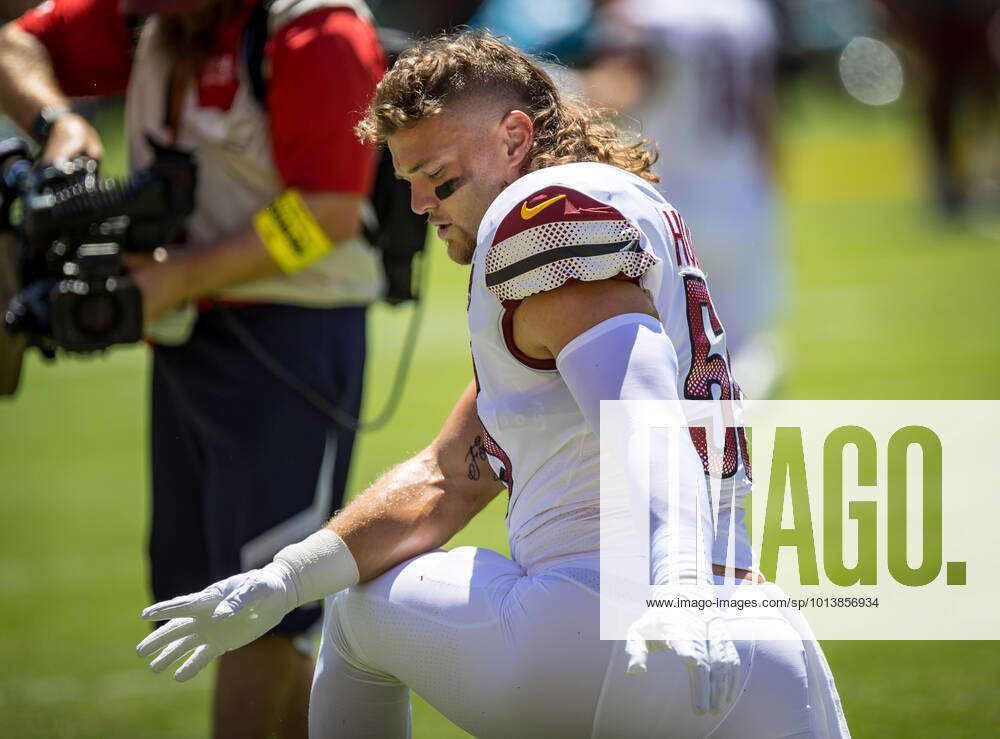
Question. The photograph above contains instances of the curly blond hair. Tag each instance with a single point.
(445, 69)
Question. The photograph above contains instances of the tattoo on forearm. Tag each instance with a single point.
(476, 453)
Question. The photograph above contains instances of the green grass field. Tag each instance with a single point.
(889, 302)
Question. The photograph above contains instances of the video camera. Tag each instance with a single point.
(68, 228)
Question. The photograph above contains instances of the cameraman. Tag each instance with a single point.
(241, 465)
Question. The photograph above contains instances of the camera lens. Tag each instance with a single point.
(96, 315)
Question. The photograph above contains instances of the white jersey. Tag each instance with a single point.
(584, 221)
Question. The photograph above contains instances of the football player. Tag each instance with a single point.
(584, 287)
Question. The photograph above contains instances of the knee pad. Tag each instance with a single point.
(337, 633)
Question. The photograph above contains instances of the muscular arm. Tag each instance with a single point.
(632, 359)
(415, 507)
(28, 84)
(27, 80)
(545, 322)
(420, 504)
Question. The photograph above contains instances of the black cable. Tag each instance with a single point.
(313, 396)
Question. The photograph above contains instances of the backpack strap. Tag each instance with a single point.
(255, 37)
(258, 31)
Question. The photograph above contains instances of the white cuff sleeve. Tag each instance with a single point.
(630, 357)
(321, 565)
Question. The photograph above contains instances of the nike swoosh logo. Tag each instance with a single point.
(528, 213)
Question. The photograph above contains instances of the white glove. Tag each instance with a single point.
(222, 617)
(235, 611)
(701, 640)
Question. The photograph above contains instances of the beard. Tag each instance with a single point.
(462, 245)
(461, 249)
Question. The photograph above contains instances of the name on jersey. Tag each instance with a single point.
(683, 247)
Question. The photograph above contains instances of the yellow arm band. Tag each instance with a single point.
(290, 232)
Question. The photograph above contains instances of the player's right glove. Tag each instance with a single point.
(236, 611)
(222, 617)
(700, 638)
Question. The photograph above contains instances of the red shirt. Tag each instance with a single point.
(323, 66)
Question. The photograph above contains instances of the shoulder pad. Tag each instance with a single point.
(558, 234)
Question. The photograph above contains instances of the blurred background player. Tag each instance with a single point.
(955, 48)
(423, 18)
(241, 465)
(699, 80)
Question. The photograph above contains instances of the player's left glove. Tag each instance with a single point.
(700, 638)
(222, 617)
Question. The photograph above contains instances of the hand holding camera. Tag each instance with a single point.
(74, 230)
(68, 136)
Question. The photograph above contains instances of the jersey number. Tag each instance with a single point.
(709, 377)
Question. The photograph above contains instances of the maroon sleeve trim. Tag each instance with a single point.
(507, 329)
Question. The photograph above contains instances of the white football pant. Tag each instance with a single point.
(503, 653)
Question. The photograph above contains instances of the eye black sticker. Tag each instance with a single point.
(447, 189)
